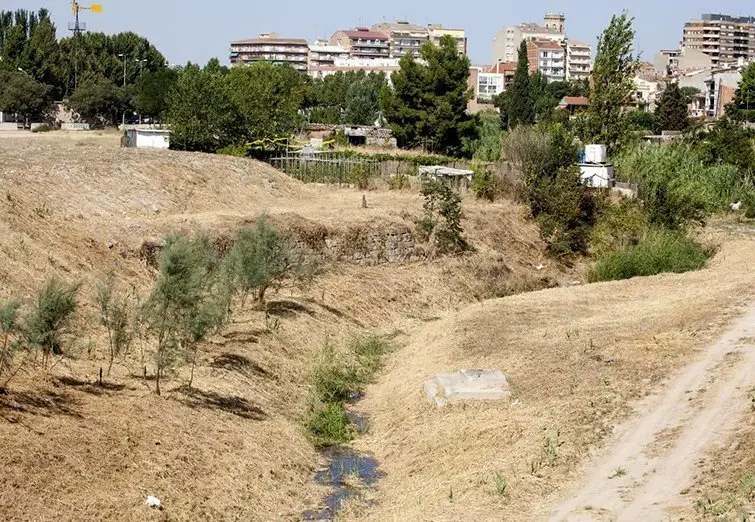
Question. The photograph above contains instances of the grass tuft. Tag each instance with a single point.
(336, 378)
(657, 252)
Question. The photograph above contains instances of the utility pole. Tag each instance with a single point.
(123, 55)
(141, 72)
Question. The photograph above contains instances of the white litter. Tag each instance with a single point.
(154, 502)
(736, 206)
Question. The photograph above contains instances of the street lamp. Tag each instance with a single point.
(123, 55)
(141, 71)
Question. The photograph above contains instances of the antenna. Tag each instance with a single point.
(77, 28)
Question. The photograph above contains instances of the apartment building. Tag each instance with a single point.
(437, 31)
(403, 38)
(578, 60)
(321, 54)
(368, 65)
(507, 69)
(507, 41)
(270, 47)
(549, 58)
(671, 62)
(484, 83)
(728, 40)
(363, 43)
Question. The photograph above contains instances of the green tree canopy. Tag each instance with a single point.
(612, 85)
(743, 106)
(428, 103)
(97, 100)
(268, 98)
(22, 94)
(351, 97)
(671, 110)
(150, 95)
(201, 113)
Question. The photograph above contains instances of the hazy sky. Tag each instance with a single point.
(198, 30)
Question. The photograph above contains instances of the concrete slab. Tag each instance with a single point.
(468, 385)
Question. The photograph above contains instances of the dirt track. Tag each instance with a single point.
(653, 457)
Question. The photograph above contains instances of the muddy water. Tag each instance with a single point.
(345, 469)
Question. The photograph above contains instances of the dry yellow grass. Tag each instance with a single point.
(77, 206)
(576, 358)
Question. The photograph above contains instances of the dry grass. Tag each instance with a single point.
(577, 359)
(76, 205)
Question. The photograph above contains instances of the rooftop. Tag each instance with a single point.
(503, 67)
(399, 25)
(363, 32)
(580, 101)
(535, 28)
(271, 38)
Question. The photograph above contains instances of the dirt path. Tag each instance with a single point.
(653, 457)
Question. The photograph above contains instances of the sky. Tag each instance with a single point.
(196, 30)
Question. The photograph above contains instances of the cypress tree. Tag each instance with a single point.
(671, 110)
(521, 106)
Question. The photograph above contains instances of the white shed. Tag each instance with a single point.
(148, 138)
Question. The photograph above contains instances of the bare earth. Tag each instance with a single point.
(699, 408)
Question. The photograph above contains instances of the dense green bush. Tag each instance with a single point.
(484, 183)
(657, 252)
(237, 151)
(677, 188)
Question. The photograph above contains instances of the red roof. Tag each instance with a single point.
(360, 32)
(575, 100)
(503, 67)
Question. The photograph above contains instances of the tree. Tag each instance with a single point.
(267, 97)
(612, 84)
(115, 317)
(262, 258)
(689, 93)
(488, 145)
(22, 94)
(151, 92)
(8, 328)
(47, 322)
(428, 104)
(351, 97)
(97, 100)
(743, 106)
(200, 111)
(185, 304)
(521, 105)
(671, 110)
(442, 219)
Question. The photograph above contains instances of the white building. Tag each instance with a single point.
(148, 138)
(321, 53)
(485, 84)
(507, 41)
(385, 65)
(578, 60)
(647, 93)
(549, 58)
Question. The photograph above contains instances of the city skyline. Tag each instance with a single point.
(197, 34)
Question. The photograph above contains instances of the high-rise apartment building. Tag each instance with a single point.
(507, 41)
(270, 47)
(363, 43)
(578, 60)
(404, 38)
(547, 57)
(437, 31)
(726, 39)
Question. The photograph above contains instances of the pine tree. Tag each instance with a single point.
(672, 111)
(521, 106)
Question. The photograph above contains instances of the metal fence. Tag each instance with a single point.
(327, 168)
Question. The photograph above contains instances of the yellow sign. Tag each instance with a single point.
(96, 8)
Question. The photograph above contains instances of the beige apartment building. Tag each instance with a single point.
(403, 38)
(437, 31)
(363, 43)
(547, 57)
(507, 41)
(728, 40)
(270, 47)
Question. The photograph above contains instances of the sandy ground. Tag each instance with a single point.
(650, 466)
